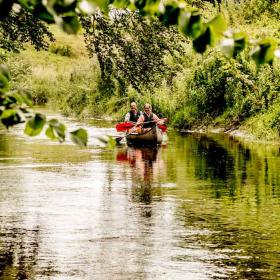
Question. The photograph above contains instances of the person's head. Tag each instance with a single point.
(133, 106)
(147, 108)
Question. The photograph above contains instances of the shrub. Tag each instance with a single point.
(63, 50)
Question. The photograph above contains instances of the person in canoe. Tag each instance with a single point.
(148, 119)
(134, 114)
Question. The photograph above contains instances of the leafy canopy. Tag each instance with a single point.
(130, 48)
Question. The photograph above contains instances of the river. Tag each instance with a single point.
(200, 207)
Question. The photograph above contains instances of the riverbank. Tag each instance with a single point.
(209, 91)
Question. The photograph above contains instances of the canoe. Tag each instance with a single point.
(150, 137)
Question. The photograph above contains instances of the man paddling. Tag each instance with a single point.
(148, 119)
(133, 115)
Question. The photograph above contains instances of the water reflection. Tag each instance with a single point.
(145, 164)
(202, 208)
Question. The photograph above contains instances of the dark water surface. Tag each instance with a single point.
(199, 208)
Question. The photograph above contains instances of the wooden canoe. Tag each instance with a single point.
(150, 137)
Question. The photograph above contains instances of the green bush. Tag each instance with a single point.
(63, 50)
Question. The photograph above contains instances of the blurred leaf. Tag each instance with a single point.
(35, 125)
(41, 12)
(5, 71)
(240, 41)
(170, 15)
(201, 42)
(4, 83)
(102, 4)
(190, 24)
(56, 130)
(232, 46)
(217, 27)
(227, 46)
(10, 117)
(70, 24)
(152, 7)
(264, 51)
(119, 4)
(79, 137)
(111, 144)
(87, 7)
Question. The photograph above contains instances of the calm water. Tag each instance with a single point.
(199, 208)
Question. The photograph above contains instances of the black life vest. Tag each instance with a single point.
(134, 117)
(148, 121)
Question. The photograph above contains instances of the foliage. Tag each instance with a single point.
(21, 27)
(131, 50)
(64, 50)
(15, 109)
(189, 21)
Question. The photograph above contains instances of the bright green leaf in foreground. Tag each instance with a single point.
(79, 137)
(201, 42)
(56, 130)
(70, 24)
(10, 117)
(264, 52)
(234, 44)
(4, 83)
(217, 27)
(190, 23)
(35, 125)
(170, 15)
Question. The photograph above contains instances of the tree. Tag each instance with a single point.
(22, 27)
(130, 49)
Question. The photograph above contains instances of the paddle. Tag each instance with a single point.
(124, 126)
(119, 139)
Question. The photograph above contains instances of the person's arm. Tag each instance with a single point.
(158, 120)
(155, 118)
(127, 117)
(140, 120)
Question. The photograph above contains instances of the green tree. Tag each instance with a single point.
(21, 27)
(131, 49)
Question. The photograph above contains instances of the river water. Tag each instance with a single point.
(200, 207)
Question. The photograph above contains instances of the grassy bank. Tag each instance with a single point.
(208, 91)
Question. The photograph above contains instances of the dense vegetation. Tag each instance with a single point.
(192, 90)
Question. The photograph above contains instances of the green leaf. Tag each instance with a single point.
(5, 72)
(4, 83)
(233, 45)
(240, 41)
(35, 125)
(20, 98)
(217, 27)
(264, 51)
(152, 7)
(227, 46)
(170, 15)
(41, 12)
(70, 24)
(102, 4)
(10, 117)
(79, 137)
(201, 42)
(56, 130)
(190, 24)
